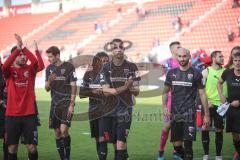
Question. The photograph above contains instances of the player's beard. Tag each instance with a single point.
(219, 63)
(183, 63)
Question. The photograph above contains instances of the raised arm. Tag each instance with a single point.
(39, 58)
(6, 66)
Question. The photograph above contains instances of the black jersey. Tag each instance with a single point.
(60, 87)
(184, 86)
(116, 76)
(233, 84)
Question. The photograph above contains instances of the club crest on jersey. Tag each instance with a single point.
(15, 74)
(137, 74)
(74, 75)
(174, 76)
(126, 71)
(101, 78)
(190, 76)
(63, 71)
(26, 74)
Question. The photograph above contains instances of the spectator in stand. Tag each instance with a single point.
(238, 25)
(230, 34)
(119, 11)
(60, 6)
(235, 4)
(177, 24)
(141, 12)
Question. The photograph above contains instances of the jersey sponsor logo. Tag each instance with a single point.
(60, 78)
(21, 84)
(181, 83)
(118, 79)
(95, 86)
(235, 84)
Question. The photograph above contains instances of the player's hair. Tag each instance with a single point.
(118, 40)
(54, 50)
(13, 49)
(185, 50)
(97, 59)
(174, 43)
(214, 53)
(230, 60)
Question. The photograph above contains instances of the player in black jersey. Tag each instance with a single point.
(232, 78)
(184, 83)
(114, 75)
(61, 81)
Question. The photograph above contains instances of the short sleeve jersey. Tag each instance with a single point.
(60, 87)
(184, 86)
(116, 76)
(233, 84)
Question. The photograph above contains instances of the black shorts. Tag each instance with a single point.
(114, 129)
(94, 128)
(59, 115)
(215, 118)
(21, 126)
(233, 120)
(181, 131)
(2, 122)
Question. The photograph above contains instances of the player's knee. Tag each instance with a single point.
(121, 145)
(167, 126)
(64, 133)
(57, 133)
(12, 148)
(236, 136)
(32, 148)
(218, 130)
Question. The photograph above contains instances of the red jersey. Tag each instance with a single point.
(20, 85)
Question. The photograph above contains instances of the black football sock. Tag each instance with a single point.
(126, 153)
(5, 151)
(179, 150)
(237, 146)
(12, 156)
(205, 142)
(188, 151)
(33, 156)
(115, 154)
(103, 151)
(161, 153)
(67, 146)
(60, 148)
(121, 155)
(219, 143)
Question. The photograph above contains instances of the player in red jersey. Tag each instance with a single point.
(20, 110)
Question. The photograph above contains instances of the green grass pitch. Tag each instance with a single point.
(143, 141)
